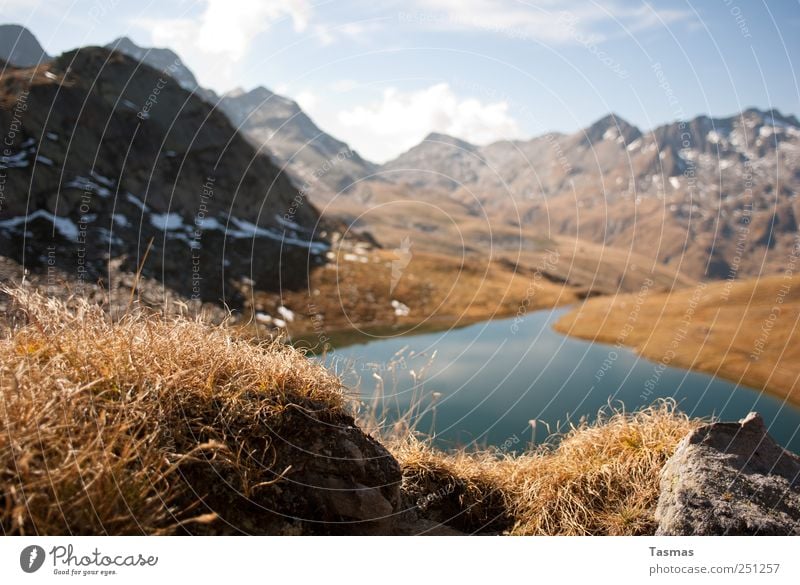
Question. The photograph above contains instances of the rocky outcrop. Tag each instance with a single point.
(104, 155)
(349, 482)
(730, 479)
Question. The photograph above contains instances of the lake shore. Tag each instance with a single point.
(743, 331)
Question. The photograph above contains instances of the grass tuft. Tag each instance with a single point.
(102, 418)
(597, 479)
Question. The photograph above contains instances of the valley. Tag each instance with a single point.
(447, 234)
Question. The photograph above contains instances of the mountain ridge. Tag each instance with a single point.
(318, 163)
(162, 58)
(596, 129)
(717, 197)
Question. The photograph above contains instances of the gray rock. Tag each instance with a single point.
(730, 479)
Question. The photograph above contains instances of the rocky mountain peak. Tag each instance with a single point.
(19, 47)
(318, 162)
(127, 46)
(438, 137)
(162, 59)
(255, 98)
(772, 117)
(612, 127)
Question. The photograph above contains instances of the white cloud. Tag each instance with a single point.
(384, 129)
(307, 100)
(324, 35)
(553, 21)
(223, 32)
(344, 85)
(358, 31)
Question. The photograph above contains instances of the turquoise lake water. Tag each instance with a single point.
(491, 380)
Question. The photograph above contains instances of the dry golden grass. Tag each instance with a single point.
(603, 478)
(599, 479)
(746, 331)
(437, 288)
(102, 419)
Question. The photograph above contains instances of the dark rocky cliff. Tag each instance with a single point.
(103, 154)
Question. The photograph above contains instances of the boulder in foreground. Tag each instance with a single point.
(730, 479)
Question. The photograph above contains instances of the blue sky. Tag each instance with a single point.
(381, 75)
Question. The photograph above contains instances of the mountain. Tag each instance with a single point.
(713, 197)
(323, 165)
(161, 59)
(100, 164)
(546, 163)
(439, 161)
(318, 163)
(19, 47)
(611, 127)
